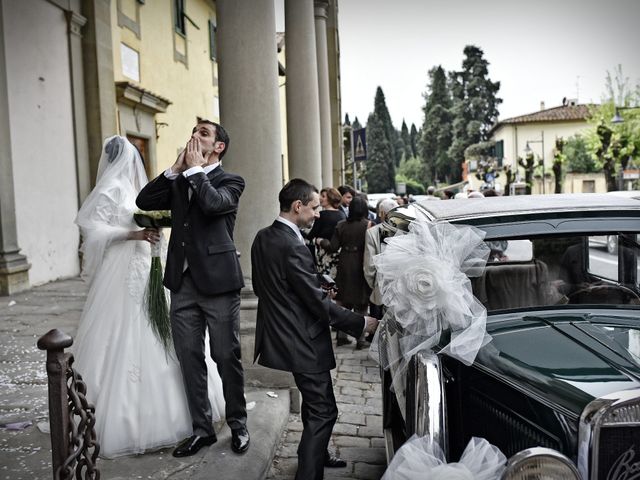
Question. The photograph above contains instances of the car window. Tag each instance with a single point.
(603, 256)
(544, 271)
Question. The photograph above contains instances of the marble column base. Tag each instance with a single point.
(14, 273)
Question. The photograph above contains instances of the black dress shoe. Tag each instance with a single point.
(239, 440)
(333, 462)
(190, 446)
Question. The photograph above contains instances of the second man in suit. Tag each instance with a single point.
(294, 319)
(204, 276)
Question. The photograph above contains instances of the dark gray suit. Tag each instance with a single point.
(207, 294)
(293, 334)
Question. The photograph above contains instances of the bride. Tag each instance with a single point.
(134, 384)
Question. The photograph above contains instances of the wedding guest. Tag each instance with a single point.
(323, 227)
(134, 384)
(353, 291)
(374, 244)
(294, 315)
(347, 196)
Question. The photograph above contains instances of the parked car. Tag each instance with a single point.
(558, 387)
(374, 198)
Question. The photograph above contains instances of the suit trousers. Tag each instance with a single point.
(319, 413)
(192, 313)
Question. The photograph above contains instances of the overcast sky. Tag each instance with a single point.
(540, 50)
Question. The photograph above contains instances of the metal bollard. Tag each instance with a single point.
(73, 445)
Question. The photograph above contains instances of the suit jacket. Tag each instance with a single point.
(201, 228)
(294, 314)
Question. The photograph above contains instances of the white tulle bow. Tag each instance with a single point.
(420, 458)
(423, 279)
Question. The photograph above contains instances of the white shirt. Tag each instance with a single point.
(292, 226)
(171, 175)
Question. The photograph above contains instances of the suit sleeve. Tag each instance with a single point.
(368, 267)
(216, 201)
(304, 282)
(156, 195)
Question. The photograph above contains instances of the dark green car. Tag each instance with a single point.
(558, 387)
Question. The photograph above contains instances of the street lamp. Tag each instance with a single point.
(527, 150)
(617, 118)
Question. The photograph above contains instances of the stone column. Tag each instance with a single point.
(75, 23)
(250, 112)
(14, 267)
(100, 88)
(323, 92)
(303, 109)
(334, 92)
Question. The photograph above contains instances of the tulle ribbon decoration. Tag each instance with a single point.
(421, 458)
(423, 279)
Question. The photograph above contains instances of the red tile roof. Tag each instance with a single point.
(564, 113)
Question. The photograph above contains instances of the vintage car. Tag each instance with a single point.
(557, 390)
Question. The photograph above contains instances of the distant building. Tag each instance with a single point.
(539, 130)
(73, 72)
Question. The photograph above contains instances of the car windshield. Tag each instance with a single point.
(558, 270)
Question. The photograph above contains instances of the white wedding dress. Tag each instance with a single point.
(135, 386)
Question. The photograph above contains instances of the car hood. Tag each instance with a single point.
(566, 357)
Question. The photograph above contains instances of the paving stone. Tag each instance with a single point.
(378, 442)
(355, 376)
(376, 456)
(350, 391)
(351, 384)
(374, 421)
(374, 402)
(345, 429)
(359, 408)
(348, 399)
(370, 432)
(354, 418)
(350, 368)
(350, 441)
(365, 471)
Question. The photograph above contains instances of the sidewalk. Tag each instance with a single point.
(26, 453)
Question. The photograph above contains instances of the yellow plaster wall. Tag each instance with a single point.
(190, 87)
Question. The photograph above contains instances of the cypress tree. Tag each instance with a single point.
(381, 110)
(406, 140)
(415, 136)
(435, 138)
(380, 172)
(475, 104)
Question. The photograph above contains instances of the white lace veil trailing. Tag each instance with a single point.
(106, 214)
(423, 279)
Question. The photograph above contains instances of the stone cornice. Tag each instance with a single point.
(135, 96)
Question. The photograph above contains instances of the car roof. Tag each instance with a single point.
(481, 210)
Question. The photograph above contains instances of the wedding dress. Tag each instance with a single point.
(134, 384)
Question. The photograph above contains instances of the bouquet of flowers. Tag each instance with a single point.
(156, 303)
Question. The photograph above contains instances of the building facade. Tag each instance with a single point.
(73, 72)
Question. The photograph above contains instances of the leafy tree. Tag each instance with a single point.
(413, 187)
(613, 146)
(380, 172)
(559, 160)
(578, 158)
(410, 168)
(529, 164)
(484, 154)
(415, 135)
(435, 138)
(510, 176)
(475, 104)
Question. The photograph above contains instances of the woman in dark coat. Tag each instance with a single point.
(349, 238)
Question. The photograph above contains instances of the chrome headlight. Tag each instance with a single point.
(539, 464)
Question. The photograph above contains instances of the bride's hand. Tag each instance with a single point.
(151, 235)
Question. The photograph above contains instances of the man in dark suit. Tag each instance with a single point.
(294, 320)
(204, 276)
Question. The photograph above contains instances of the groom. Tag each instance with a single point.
(203, 274)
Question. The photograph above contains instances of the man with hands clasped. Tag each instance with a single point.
(204, 277)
